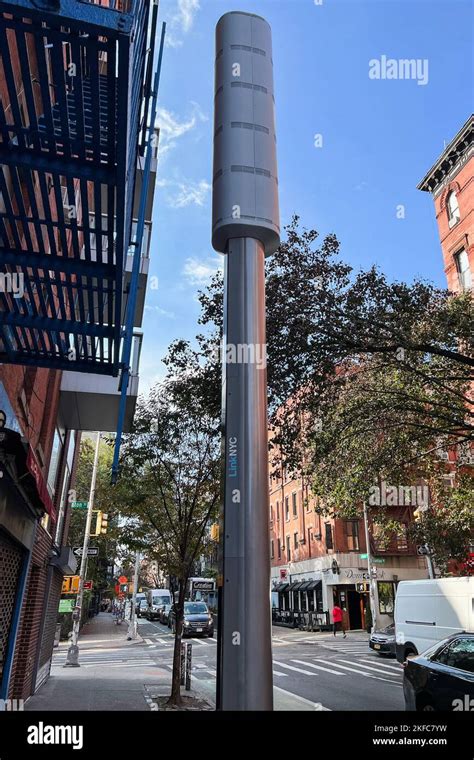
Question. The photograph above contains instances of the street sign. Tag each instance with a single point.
(378, 560)
(93, 551)
(79, 504)
(88, 585)
(66, 605)
(363, 556)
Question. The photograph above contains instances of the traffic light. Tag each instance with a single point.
(99, 527)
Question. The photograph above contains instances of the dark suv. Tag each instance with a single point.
(198, 621)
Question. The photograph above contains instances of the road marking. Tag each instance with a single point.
(316, 705)
(361, 672)
(372, 667)
(318, 667)
(277, 673)
(300, 670)
(398, 668)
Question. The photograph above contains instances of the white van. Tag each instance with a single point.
(156, 598)
(429, 611)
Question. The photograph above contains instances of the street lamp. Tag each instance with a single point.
(246, 228)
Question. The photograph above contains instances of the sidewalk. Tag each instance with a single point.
(117, 685)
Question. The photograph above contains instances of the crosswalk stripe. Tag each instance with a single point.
(315, 705)
(361, 672)
(377, 669)
(318, 667)
(277, 673)
(397, 668)
(292, 667)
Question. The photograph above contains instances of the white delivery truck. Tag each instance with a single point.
(157, 598)
(430, 610)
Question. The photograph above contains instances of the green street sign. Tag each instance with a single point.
(363, 556)
(378, 560)
(79, 504)
(66, 605)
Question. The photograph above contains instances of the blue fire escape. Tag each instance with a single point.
(70, 138)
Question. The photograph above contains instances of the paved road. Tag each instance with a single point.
(339, 674)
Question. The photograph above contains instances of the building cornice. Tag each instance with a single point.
(458, 151)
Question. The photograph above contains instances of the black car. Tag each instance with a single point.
(198, 621)
(142, 608)
(442, 678)
(383, 641)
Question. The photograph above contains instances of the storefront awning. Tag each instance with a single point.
(280, 587)
(313, 584)
(296, 586)
(305, 585)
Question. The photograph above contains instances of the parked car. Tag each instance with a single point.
(442, 678)
(139, 598)
(198, 621)
(142, 608)
(165, 613)
(383, 641)
(157, 598)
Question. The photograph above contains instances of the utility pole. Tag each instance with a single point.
(370, 568)
(132, 626)
(246, 229)
(72, 659)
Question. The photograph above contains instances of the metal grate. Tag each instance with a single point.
(10, 568)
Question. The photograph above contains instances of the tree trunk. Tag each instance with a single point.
(175, 698)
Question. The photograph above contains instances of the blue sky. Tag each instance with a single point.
(379, 138)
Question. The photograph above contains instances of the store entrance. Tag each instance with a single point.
(348, 600)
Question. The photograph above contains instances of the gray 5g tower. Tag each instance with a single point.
(246, 228)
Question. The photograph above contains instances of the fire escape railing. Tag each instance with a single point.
(71, 128)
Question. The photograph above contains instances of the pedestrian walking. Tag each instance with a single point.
(337, 620)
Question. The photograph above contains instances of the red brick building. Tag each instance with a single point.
(451, 183)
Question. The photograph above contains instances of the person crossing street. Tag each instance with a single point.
(337, 621)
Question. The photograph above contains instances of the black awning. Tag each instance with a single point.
(305, 585)
(296, 586)
(313, 585)
(280, 587)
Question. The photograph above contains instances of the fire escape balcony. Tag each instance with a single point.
(75, 87)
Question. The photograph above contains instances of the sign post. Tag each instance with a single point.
(72, 659)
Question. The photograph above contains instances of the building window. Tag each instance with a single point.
(464, 270)
(288, 549)
(295, 540)
(386, 594)
(279, 548)
(294, 504)
(271, 514)
(272, 549)
(453, 209)
(278, 511)
(352, 535)
(287, 508)
(328, 529)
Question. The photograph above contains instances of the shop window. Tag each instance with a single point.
(352, 535)
(386, 594)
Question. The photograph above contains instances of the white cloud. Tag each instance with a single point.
(199, 272)
(160, 311)
(184, 193)
(181, 22)
(172, 128)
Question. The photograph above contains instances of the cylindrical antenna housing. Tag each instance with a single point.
(245, 182)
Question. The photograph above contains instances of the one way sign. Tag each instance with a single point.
(93, 551)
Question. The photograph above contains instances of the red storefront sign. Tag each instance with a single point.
(42, 488)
